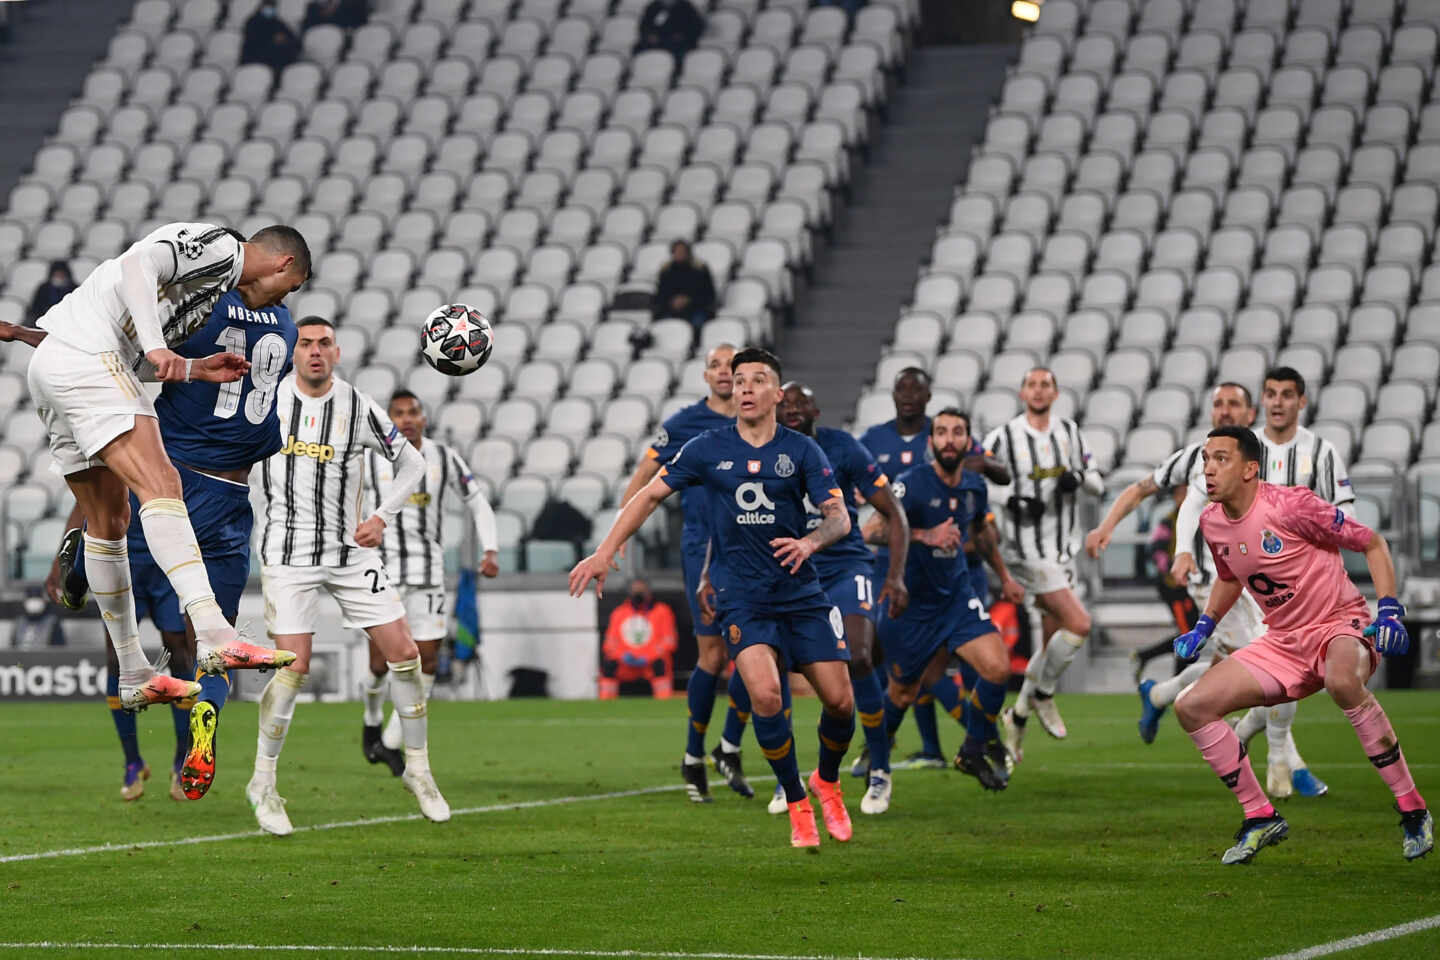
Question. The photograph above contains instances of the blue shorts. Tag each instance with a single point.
(979, 581)
(851, 589)
(809, 635)
(912, 640)
(220, 513)
(692, 563)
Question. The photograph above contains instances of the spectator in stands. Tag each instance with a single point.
(341, 13)
(639, 644)
(673, 25)
(269, 40)
(53, 290)
(38, 625)
(686, 288)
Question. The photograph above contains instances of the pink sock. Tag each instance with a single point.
(1222, 750)
(1381, 746)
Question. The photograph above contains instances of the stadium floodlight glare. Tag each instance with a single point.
(1028, 10)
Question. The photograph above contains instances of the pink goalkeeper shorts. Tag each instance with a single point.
(1290, 664)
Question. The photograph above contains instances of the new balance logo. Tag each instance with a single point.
(323, 452)
(725, 465)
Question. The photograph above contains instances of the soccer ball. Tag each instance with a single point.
(456, 339)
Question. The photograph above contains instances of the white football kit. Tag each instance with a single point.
(313, 502)
(412, 550)
(154, 295)
(1038, 521)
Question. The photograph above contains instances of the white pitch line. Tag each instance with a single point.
(337, 825)
(1363, 940)
(461, 951)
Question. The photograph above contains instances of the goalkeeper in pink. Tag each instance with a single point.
(1283, 545)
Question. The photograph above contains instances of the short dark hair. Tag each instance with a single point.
(1053, 379)
(313, 320)
(402, 394)
(1250, 446)
(1244, 390)
(757, 355)
(1283, 374)
(282, 239)
(951, 412)
(920, 372)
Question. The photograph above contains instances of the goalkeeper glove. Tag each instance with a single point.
(1391, 639)
(634, 660)
(1189, 645)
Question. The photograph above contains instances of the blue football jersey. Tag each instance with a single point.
(933, 574)
(895, 453)
(854, 470)
(754, 495)
(677, 430)
(230, 426)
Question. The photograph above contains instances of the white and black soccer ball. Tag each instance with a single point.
(456, 339)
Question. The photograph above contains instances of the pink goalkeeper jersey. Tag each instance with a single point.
(1286, 551)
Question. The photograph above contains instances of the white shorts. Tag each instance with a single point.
(363, 590)
(85, 400)
(1237, 628)
(427, 610)
(1038, 575)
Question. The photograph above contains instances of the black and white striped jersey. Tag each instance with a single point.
(313, 487)
(1185, 468)
(192, 263)
(412, 548)
(1307, 461)
(1037, 519)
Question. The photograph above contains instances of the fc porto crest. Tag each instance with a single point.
(784, 466)
(906, 456)
(752, 466)
(954, 504)
(1270, 542)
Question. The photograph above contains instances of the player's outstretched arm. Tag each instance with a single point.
(988, 466)
(632, 516)
(792, 552)
(1131, 497)
(1391, 637)
(897, 527)
(1187, 525)
(409, 471)
(645, 471)
(1222, 597)
(705, 592)
(12, 332)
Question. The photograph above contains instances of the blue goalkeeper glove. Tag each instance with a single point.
(1391, 640)
(1189, 645)
(634, 660)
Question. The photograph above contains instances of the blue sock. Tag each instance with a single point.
(968, 676)
(870, 705)
(700, 691)
(835, 736)
(180, 716)
(738, 713)
(925, 723)
(986, 700)
(950, 697)
(215, 687)
(773, 735)
(894, 717)
(124, 720)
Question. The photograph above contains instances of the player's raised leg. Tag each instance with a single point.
(1229, 686)
(991, 661)
(1348, 666)
(373, 688)
(181, 655)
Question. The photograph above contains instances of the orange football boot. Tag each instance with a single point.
(832, 805)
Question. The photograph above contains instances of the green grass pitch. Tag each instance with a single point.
(1102, 847)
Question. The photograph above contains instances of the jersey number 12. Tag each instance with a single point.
(266, 365)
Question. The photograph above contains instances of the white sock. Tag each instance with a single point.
(1252, 723)
(408, 695)
(691, 760)
(172, 543)
(1059, 652)
(727, 747)
(1165, 692)
(1297, 762)
(373, 689)
(1277, 732)
(107, 565)
(392, 736)
(277, 708)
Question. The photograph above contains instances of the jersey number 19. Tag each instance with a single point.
(266, 365)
